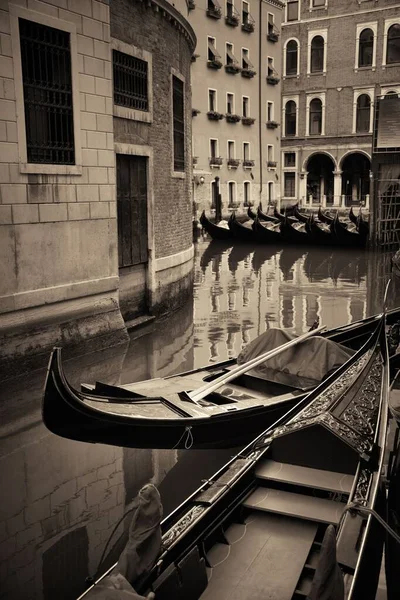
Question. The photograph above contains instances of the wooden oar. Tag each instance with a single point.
(239, 370)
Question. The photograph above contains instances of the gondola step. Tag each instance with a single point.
(305, 476)
(290, 504)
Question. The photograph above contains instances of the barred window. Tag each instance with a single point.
(47, 85)
(179, 123)
(130, 81)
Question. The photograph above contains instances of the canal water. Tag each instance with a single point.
(61, 500)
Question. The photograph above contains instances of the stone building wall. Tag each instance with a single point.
(58, 221)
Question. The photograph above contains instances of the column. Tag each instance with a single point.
(303, 188)
(337, 188)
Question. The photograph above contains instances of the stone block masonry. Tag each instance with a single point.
(58, 214)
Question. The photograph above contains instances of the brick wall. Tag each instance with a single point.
(154, 32)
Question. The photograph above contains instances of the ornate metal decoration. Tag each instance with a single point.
(179, 528)
(356, 424)
(362, 489)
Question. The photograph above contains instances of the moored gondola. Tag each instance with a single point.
(294, 232)
(266, 232)
(352, 216)
(281, 217)
(265, 217)
(162, 413)
(250, 213)
(217, 232)
(303, 218)
(362, 225)
(324, 217)
(320, 233)
(241, 231)
(287, 514)
(345, 236)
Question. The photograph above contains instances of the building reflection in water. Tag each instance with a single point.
(64, 498)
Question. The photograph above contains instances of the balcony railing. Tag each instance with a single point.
(248, 120)
(214, 10)
(273, 79)
(231, 118)
(273, 34)
(249, 24)
(214, 63)
(215, 161)
(213, 115)
(233, 163)
(272, 124)
(272, 164)
(248, 72)
(232, 67)
(247, 163)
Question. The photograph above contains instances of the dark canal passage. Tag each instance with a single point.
(60, 500)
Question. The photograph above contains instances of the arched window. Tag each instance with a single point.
(292, 50)
(315, 117)
(317, 54)
(393, 44)
(366, 48)
(363, 113)
(290, 118)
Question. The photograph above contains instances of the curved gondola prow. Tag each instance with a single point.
(54, 386)
(324, 217)
(251, 214)
(352, 216)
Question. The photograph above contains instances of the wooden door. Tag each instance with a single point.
(132, 209)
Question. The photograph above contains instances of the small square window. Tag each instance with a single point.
(289, 159)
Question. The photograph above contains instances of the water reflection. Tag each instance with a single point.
(64, 498)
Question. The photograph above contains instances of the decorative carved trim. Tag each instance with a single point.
(184, 522)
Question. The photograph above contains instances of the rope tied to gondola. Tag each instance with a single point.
(189, 438)
(356, 507)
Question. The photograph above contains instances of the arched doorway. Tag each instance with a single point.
(320, 168)
(355, 179)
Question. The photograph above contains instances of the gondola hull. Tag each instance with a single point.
(159, 414)
(239, 231)
(266, 235)
(344, 237)
(291, 235)
(213, 230)
(318, 235)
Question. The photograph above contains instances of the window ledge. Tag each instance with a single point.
(390, 65)
(292, 76)
(178, 175)
(124, 112)
(316, 74)
(46, 169)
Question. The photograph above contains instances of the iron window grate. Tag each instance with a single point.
(179, 124)
(130, 81)
(47, 84)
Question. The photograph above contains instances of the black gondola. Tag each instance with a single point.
(281, 217)
(264, 217)
(217, 232)
(266, 232)
(294, 232)
(303, 218)
(324, 217)
(241, 231)
(352, 216)
(251, 214)
(345, 236)
(362, 225)
(320, 233)
(276, 518)
(160, 413)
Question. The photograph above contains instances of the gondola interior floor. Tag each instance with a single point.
(264, 559)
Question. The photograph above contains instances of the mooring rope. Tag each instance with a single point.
(189, 438)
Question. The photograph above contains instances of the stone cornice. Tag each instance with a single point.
(276, 3)
(170, 13)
